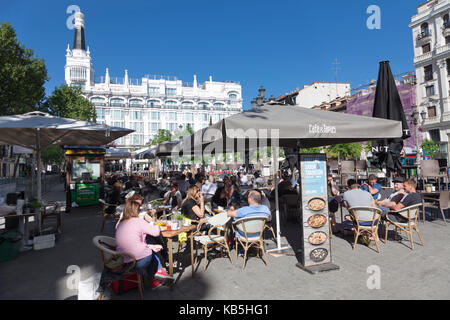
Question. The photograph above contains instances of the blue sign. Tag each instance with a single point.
(314, 176)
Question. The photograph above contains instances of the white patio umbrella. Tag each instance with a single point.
(38, 130)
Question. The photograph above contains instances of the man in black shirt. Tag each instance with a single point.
(411, 198)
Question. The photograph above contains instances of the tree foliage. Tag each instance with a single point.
(310, 150)
(67, 102)
(22, 75)
(161, 136)
(430, 147)
(52, 155)
(344, 151)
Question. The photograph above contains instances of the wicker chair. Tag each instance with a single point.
(365, 220)
(246, 226)
(219, 223)
(411, 214)
(104, 244)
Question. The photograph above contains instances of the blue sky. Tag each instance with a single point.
(281, 44)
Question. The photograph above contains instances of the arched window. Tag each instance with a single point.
(117, 102)
(187, 105)
(233, 95)
(203, 106)
(424, 30)
(219, 106)
(171, 104)
(153, 104)
(98, 101)
(135, 103)
(446, 19)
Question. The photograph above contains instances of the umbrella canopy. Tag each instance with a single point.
(287, 126)
(147, 154)
(22, 130)
(165, 149)
(38, 130)
(388, 105)
(116, 154)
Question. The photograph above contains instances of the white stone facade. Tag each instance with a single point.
(319, 92)
(431, 38)
(152, 102)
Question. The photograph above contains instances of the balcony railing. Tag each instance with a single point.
(117, 104)
(424, 34)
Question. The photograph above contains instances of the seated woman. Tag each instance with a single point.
(193, 207)
(130, 238)
(219, 200)
(114, 197)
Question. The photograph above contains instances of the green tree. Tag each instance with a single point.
(430, 147)
(22, 75)
(310, 150)
(210, 121)
(52, 155)
(67, 102)
(161, 136)
(344, 151)
(368, 146)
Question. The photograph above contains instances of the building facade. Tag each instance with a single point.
(151, 102)
(320, 92)
(431, 38)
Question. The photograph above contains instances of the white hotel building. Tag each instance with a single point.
(431, 37)
(150, 103)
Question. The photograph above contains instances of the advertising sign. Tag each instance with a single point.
(315, 242)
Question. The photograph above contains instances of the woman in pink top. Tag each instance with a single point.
(130, 238)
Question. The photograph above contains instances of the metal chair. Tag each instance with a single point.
(107, 216)
(431, 169)
(107, 253)
(246, 226)
(365, 220)
(442, 203)
(411, 214)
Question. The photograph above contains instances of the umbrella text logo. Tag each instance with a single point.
(374, 20)
(321, 128)
(70, 23)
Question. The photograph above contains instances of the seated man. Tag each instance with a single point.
(333, 202)
(355, 197)
(372, 187)
(253, 209)
(173, 197)
(388, 204)
(132, 183)
(411, 198)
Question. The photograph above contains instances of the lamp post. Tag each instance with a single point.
(260, 98)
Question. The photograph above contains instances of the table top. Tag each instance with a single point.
(173, 233)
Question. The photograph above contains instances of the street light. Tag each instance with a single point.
(260, 98)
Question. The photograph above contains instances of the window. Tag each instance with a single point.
(205, 117)
(446, 21)
(431, 112)
(155, 126)
(171, 91)
(135, 115)
(447, 39)
(189, 116)
(116, 102)
(117, 115)
(117, 124)
(428, 73)
(187, 105)
(203, 106)
(218, 106)
(221, 116)
(424, 31)
(435, 135)
(171, 127)
(153, 104)
(171, 104)
(430, 91)
(426, 48)
(100, 113)
(137, 126)
(137, 139)
(447, 62)
(154, 115)
(233, 96)
(97, 101)
(135, 103)
(172, 116)
(153, 91)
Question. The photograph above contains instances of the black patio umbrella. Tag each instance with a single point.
(388, 105)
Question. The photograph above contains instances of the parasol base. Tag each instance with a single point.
(284, 251)
(318, 268)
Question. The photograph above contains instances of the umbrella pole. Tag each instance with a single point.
(39, 186)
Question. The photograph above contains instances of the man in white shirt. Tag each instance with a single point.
(210, 187)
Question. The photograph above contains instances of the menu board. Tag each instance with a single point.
(316, 249)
